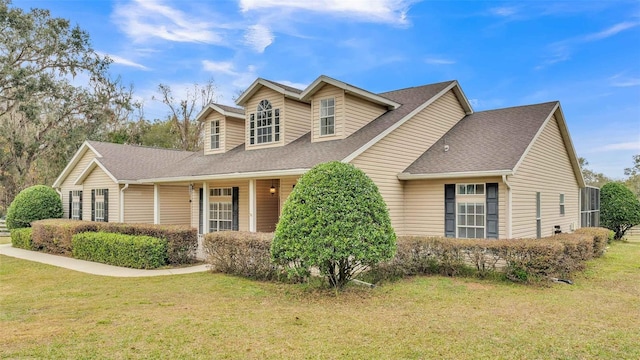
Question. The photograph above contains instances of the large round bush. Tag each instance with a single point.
(34, 203)
(336, 220)
(619, 208)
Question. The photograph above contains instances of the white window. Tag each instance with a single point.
(99, 205)
(76, 204)
(471, 220)
(264, 125)
(327, 116)
(561, 204)
(470, 189)
(220, 216)
(220, 192)
(215, 134)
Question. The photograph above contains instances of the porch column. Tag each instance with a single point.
(205, 208)
(252, 205)
(156, 204)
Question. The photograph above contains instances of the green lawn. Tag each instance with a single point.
(47, 312)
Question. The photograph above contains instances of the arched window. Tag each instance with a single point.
(264, 125)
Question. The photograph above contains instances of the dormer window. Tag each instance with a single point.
(264, 125)
(327, 116)
(215, 134)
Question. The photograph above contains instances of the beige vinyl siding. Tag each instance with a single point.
(98, 179)
(68, 185)
(424, 205)
(327, 92)
(267, 205)
(545, 169)
(207, 133)
(138, 204)
(233, 133)
(296, 123)
(243, 202)
(394, 153)
(277, 102)
(286, 187)
(174, 205)
(359, 112)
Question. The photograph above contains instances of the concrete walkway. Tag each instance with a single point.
(90, 267)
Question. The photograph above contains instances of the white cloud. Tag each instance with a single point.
(613, 30)
(505, 11)
(300, 86)
(258, 37)
(619, 80)
(439, 61)
(145, 19)
(122, 61)
(385, 11)
(225, 67)
(632, 145)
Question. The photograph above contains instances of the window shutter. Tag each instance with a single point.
(106, 205)
(450, 210)
(492, 210)
(200, 210)
(235, 209)
(93, 205)
(70, 203)
(80, 193)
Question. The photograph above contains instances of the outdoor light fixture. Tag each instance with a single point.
(272, 189)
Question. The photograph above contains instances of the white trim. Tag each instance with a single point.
(252, 205)
(253, 174)
(121, 202)
(349, 89)
(74, 161)
(509, 207)
(87, 171)
(454, 175)
(379, 137)
(205, 208)
(214, 107)
(156, 204)
(255, 86)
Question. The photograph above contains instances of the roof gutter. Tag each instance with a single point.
(246, 175)
(462, 174)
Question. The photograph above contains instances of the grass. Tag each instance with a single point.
(48, 312)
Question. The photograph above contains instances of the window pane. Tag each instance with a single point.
(462, 232)
(461, 220)
(470, 189)
(471, 220)
(480, 189)
(461, 189)
(462, 209)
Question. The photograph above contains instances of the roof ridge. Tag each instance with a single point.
(518, 106)
(415, 87)
(286, 87)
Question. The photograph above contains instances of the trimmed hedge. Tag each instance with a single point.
(54, 236)
(601, 237)
(241, 253)
(21, 238)
(134, 251)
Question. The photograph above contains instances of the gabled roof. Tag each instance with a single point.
(285, 90)
(225, 110)
(350, 89)
(490, 143)
(302, 154)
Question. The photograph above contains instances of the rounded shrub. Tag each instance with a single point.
(619, 208)
(336, 220)
(34, 203)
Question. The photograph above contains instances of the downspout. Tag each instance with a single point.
(122, 202)
(509, 209)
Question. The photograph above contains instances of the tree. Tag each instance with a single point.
(34, 203)
(335, 219)
(633, 181)
(619, 208)
(182, 112)
(591, 177)
(44, 114)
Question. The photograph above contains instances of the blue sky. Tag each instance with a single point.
(584, 53)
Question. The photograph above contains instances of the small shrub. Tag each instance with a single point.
(54, 236)
(140, 252)
(601, 237)
(241, 253)
(619, 208)
(21, 238)
(34, 203)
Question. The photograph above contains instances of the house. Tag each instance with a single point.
(442, 168)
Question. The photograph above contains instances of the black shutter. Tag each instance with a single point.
(106, 205)
(200, 210)
(450, 210)
(70, 203)
(234, 209)
(492, 210)
(80, 199)
(93, 204)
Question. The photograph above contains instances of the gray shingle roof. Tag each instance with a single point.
(132, 162)
(230, 108)
(302, 153)
(484, 141)
(286, 87)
